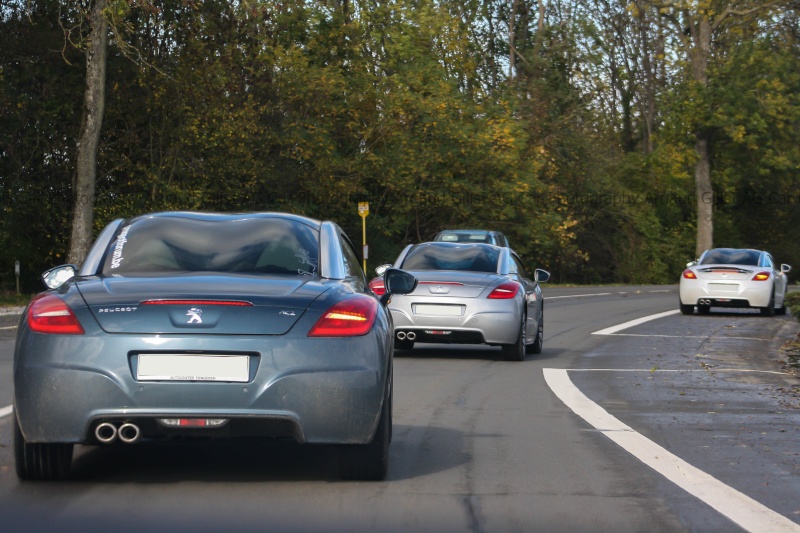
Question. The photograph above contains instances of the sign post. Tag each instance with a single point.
(363, 211)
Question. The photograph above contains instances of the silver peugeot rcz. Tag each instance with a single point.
(468, 293)
(207, 325)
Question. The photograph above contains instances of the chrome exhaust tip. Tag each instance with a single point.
(411, 335)
(401, 335)
(105, 432)
(129, 433)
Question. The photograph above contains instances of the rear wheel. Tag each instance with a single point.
(369, 462)
(769, 310)
(686, 309)
(538, 341)
(703, 309)
(40, 461)
(516, 351)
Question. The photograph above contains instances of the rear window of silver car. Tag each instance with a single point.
(432, 256)
(161, 245)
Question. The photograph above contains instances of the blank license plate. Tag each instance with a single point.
(438, 310)
(171, 367)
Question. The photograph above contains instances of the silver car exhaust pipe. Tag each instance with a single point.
(411, 335)
(129, 433)
(401, 335)
(704, 302)
(106, 432)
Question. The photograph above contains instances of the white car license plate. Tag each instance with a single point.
(174, 367)
(438, 310)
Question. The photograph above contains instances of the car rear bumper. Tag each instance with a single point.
(326, 393)
(742, 296)
(497, 326)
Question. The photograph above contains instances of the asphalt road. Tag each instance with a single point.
(678, 423)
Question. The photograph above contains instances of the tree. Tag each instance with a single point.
(694, 25)
(89, 137)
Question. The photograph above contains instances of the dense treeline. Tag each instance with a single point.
(574, 126)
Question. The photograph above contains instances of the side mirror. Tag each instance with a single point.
(381, 269)
(397, 281)
(541, 276)
(691, 264)
(57, 276)
(786, 268)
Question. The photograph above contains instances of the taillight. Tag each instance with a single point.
(761, 276)
(49, 314)
(349, 318)
(688, 274)
(504, 291)
(377, 286)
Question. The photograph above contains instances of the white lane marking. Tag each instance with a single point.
(5, 411)
(9, 327)
(738, 507)
(619, 327)
(576, 296)
(680, 370)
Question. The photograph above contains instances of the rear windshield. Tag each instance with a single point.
(160, 245)
(476, 258)
(731, 257)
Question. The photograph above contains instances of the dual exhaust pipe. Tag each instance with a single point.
(704, 301)
(402, 335)
(107, 433)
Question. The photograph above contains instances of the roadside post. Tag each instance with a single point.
(363, 211)
(16, 274)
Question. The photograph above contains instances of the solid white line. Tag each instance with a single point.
(9, 327)
(5, 411)
(626, 325)
(738, 507)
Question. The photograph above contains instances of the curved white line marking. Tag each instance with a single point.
(5, 411)
(738, 507)
(626, 325)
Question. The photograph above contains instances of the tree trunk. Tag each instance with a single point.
(705, 197)
(91, 124)
(702, 168)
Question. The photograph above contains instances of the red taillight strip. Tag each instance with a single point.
(229, 303)
(351, 317)
(504, 291)
(50, 314)
(761, 276)
(688, 274)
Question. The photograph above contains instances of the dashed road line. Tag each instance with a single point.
(738, 507)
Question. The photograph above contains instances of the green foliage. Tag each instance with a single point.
(311, 107)
(793, 302)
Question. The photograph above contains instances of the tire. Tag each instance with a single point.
(516, 351)
(686, 309)
(369, 462)
(781, 310)
(538, 341)
(769, 310)
(41, 461)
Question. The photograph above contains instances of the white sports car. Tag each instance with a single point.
(730, 277)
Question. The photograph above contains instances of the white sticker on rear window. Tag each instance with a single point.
(304, 256)
(116, 255)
